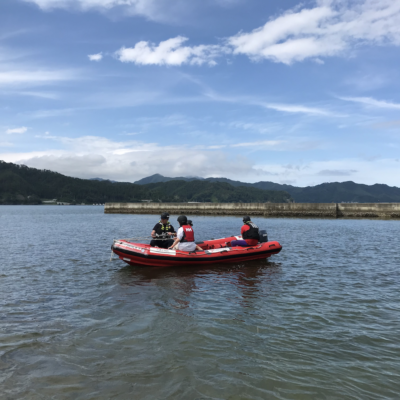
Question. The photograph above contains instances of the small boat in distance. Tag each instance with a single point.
(214, 251)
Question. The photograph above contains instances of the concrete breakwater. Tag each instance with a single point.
(300, 210)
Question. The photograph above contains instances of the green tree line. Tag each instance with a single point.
(20, 184)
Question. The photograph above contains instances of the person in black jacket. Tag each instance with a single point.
(162, 233)
(250, 234)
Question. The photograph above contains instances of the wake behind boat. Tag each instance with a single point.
(213, 251)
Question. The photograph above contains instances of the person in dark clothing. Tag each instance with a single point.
(163, 233)
(190, 222)
(250, 234)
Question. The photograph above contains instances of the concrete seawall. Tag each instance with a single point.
(301, 210)
(368, 210)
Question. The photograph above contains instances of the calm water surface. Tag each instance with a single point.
(321, 320)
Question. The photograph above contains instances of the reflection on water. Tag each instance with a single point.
(250, 280)
(318, 321)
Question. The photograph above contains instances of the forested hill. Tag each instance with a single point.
(335, 192)
(23, 185)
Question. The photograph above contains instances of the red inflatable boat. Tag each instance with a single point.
(214, 251)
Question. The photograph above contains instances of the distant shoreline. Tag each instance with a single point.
(273, 210)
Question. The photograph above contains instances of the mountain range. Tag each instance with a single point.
(336, 192)
(20, 184)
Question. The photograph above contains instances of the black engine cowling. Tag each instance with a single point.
(263, 236)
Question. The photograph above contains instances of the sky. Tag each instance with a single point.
(285, 91)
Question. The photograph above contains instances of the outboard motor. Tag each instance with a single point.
(263, 236)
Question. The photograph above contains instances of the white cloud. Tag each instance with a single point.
(110, 160)
(371, 102)
(263, 144)
(271, 145)
(296, 108)
(330, 28)
(169, 52)
(50, 113)
(170, 11)
(283, 107)
(95, 57)
(337, 172)
(11, 131)
(18, 70)
(41, 95)
(91, 156)
(261, 128)
(340, 170)
(34, 77)
(85, 5)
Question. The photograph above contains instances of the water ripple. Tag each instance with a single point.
(319, 321)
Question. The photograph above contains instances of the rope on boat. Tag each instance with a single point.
(145, 238)
(112, 253)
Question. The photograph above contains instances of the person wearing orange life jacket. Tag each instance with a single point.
(250, 234)
(185, 236)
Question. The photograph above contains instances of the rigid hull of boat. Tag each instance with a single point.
(214, 251)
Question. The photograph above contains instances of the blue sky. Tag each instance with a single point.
(284, 91)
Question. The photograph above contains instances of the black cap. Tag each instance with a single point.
(189, 222)
(182, 219)
(246, 219)
(165, 215)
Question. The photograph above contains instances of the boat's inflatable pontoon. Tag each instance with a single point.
(214, 251)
